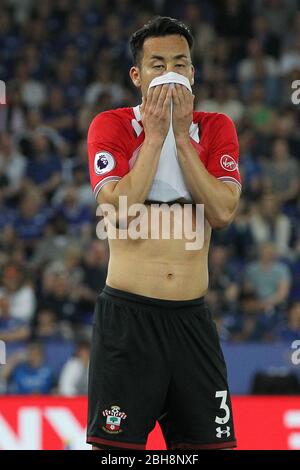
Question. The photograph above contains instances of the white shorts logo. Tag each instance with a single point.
(104, 162)
(222, 432)
(228, 163)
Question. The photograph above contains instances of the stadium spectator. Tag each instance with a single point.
(286, 127)
(54, 243)
(295, 271)
(232, 20)
(94, 266)
(290, 329)
(204, 33)
(33, 92)
(44, 167)
(13, 118)
(268, 278)
(282, 173)
(77, 216)
(8, 241)
(104, 83)
(12, 165)
(258, 68)
(251, 322)
(56, 294)
(261, 116)
(278, 13)
(223, 102)
(290, 58)
(48, 329)
(25, 137)
(7, 214)
(250, 165)
(73, 379)
(27, 374)
(83, 190)
(19, 292)
(58, 115)
(31, 219)
(224, 289)
(268, 41)
(11, 329)
(268, 223)
(238, 237)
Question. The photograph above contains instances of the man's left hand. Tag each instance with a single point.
(183, 105)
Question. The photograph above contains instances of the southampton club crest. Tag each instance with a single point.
(114, 417)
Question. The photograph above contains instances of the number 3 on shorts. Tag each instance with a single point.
(223, 394)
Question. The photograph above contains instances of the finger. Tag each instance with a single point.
(175, 96)
(154, 93)
(150, 92)
(142, 107)
(188, 97)
(149, 96)
(154, 98)
(162, 97)
(181, 94)
(167, 100)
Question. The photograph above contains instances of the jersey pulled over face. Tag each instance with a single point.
(116, 136)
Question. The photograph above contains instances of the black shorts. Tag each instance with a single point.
(152, 360)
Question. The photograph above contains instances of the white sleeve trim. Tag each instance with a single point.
(230, 179)
(103, 182)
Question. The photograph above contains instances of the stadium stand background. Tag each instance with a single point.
(63, 62)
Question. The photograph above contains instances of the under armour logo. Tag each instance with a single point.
(221, 431)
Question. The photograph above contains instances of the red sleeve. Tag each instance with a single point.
(107, 143)
(224, 150)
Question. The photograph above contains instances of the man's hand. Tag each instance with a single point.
(156, 111)
(183, 105)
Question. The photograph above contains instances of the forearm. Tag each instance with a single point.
(219, 200)
(137, 183)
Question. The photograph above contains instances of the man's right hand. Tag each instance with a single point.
(156, 111)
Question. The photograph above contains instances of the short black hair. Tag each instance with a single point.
(157, 27)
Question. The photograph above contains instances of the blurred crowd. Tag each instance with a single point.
(64, 61)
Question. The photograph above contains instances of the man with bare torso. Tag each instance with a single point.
(155, 352)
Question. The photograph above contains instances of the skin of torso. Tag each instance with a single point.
(160, 268)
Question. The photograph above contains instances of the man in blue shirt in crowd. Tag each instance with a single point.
(26, 373)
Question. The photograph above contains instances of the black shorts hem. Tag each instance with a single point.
(106, 442)
(214, 445)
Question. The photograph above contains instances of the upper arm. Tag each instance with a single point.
(105, 194)
(107, 150)
(224, 151)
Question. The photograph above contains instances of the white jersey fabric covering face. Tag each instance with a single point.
(168, 184)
